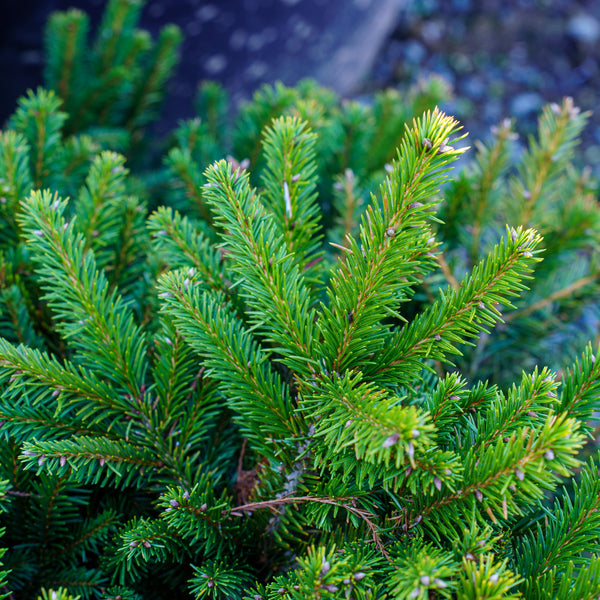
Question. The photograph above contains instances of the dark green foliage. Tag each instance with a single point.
(234, 379)
(351, 140)
(116, 80)
(277, 429)
(543, 189)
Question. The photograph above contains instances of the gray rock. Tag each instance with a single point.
(526, 103)
(584, 27)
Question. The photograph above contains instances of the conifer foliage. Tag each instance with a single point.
(271, 424)
(355, 141)
(118, 79)
(266, 377)
(545, 187)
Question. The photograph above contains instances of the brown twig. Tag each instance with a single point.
(558, 295)
(441, 261)
(238, 511)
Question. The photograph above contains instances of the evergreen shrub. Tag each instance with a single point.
(234, 378)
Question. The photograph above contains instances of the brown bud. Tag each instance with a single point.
(391, 440)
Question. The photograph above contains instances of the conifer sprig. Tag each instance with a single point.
(272, 284)
(542, 187)
(80, 296)
(119, 78)
(33, 379)
(559, 128)
(40, 122)
(464, 313)
(233, 359)
(180, 243)
(289, 189)
(15, 181)
(389, 250)
(571, 526)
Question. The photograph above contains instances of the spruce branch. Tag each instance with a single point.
(579, 393)
(83, 459)
(76, 388)
(181, 244)
(272, 284)
(390, 247)
(79, 294)
(114, 34)
(464, 313)
(359, 423)
(219, 579)
(147, 97)
(502, 478)
(290, 189)
(233, 359)
(570, 536)
(15, 181)
(574, 583)
(326, 572)
(559, 128)
(529, 404)
(197, 515)
(491, 164)
(40, 122)
(66, 59)
(489, 578)
(16, 321)
(144, 544)
(421, 571)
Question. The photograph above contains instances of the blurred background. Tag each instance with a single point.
(501, 57)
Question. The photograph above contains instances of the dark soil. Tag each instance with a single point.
(502, 58)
